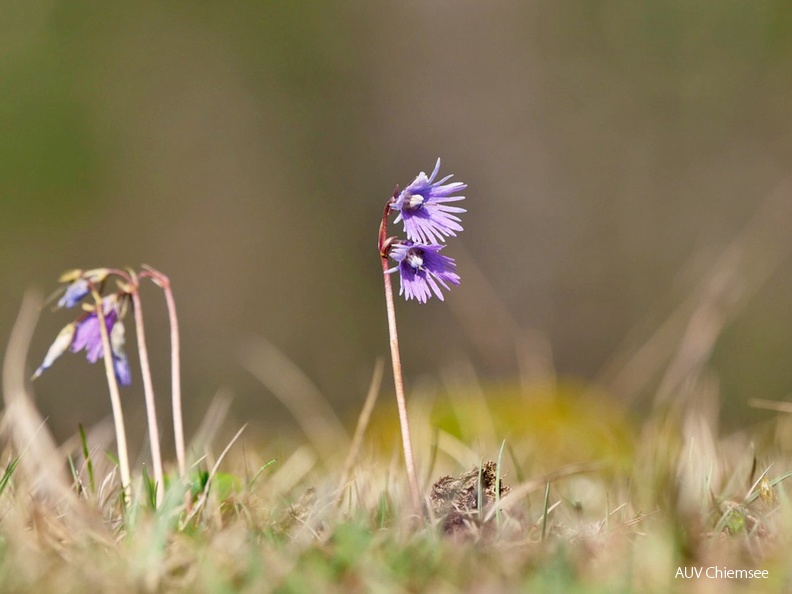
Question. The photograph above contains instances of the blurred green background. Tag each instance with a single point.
(246, 149)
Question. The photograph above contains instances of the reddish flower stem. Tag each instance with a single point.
(178, 423)
(148, 389)
(401, 401)
(176, 395)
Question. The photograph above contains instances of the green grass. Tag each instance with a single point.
(552, 486)
(622, 522)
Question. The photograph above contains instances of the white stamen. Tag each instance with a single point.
(414, 201)
(415, 259)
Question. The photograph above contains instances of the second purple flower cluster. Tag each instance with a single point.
(428, 219)
(85, 332)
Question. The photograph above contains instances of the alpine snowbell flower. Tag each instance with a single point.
(89, 337)
(62, 343)
(80, 284)
(422, 270)
(428, 220)
(85, 334)
(75, 293)
(423, 209)
(100, 332)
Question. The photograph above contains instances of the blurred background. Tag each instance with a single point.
(614, 150)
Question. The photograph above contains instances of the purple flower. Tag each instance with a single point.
(422, 207)
(74, 293)
(120, 361)
(89, 337)
(80, 284)
(422, 270)
(85, 334)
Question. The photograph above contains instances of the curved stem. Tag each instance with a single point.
(178, 423)
(163, 282)
(123, 274)
(383, 228)
(148, 389)
(115, 398)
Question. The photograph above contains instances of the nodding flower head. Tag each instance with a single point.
(422, 206)
(62, 343)
(85, 334)
(422, 269)
(88, 336)
(80, 284)
(120, 361)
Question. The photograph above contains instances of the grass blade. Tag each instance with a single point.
(498, 484)
(544, 511)
(87, 456)
(7, 474)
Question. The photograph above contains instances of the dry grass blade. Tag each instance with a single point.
(42, 463)
(294, 469)
(520, 491)
(292, 387)
(456, 449)
(211, 422)
(497, 333)
(205, 493)
(756, 483)
(739, 271)
(785, 407)
(362, 424)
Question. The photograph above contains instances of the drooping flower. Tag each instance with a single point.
(75, 291)
(89, 337)
(120, 361)
(422, 270)
(85, 334)
(62, 343)
(422, 206)
(80, 284)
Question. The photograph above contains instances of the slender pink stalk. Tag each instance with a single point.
(176, 398)
(115, 398)
(401, 401)
(398, 381)
(178, 423)
(148, 389)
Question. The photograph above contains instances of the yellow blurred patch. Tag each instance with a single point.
(545, 426)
